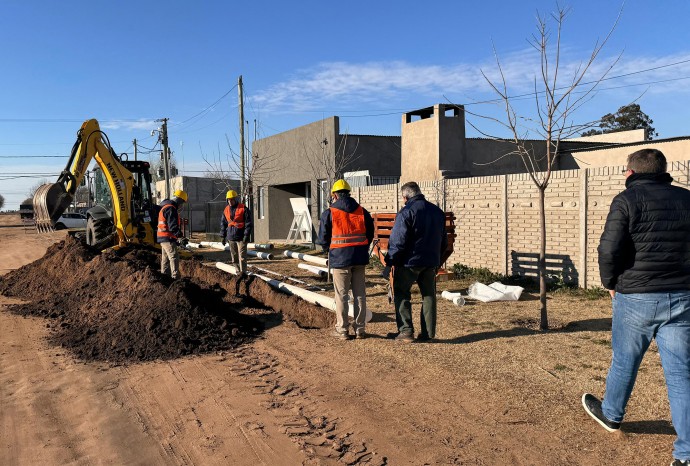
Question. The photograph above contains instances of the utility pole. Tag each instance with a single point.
(135, 149)
(165, 156)
(241, 108)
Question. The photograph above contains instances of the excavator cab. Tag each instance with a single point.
(100, 226)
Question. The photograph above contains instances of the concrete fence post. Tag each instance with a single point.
(504, 224)
(583, 279)
(443, 193)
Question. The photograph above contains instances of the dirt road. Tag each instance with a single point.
(491, 391)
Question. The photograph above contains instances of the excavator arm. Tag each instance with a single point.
(51, 200)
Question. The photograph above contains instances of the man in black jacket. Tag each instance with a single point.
(417, 241)
(644, 261)
(345, 231)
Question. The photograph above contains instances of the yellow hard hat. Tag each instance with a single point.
(180, 195)
(341, 185)
(231, 194)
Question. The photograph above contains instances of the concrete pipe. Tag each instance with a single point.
(261, 255)
(313, 269)
(309, 296)
(306, 257)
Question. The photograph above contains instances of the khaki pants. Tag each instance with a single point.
(344, 280)
(170, 260)
(238, 255)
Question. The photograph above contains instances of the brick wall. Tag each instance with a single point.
(497, 218)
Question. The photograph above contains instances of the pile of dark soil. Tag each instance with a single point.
(116, 306)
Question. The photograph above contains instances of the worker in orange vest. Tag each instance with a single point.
(345, 231)
(236, 229)
(169, 234)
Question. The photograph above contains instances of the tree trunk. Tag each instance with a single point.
(544, 320)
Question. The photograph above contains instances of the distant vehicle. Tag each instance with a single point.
(71, 220)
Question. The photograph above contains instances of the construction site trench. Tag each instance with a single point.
(116, 306)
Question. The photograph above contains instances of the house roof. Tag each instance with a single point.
(601, 146)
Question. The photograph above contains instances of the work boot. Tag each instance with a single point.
(424, 338)
(592, 407)
(341, 335)
(404, 337)
(360, 334)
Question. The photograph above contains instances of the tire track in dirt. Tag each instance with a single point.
(300, 416)
(202, 413)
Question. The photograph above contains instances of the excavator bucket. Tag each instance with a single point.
(50, 201)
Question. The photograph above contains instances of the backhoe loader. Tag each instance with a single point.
(124, 212)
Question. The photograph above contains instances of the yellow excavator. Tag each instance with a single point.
(124, 211)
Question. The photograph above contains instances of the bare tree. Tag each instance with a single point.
(2, 201)
(35, 186)
(330, 164)
(82, 195)
(226, 168)
(558, 93)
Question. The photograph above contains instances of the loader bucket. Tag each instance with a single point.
(50, 201)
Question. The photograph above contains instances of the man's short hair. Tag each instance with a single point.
(410, 189)
(342, 194)
(647, 161)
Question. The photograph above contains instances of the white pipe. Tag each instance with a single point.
(285, 277)
(215, 245)
(260, 255)
(306, 257)
(227, 267)
(456, 298)
(313, 269)
(310, 296)
(264, 246)
(194, 245)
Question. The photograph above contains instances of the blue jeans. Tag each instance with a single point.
(637, 319)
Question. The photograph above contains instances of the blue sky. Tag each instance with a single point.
(127, 63)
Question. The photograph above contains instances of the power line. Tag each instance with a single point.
(31, 156)
(207, 108)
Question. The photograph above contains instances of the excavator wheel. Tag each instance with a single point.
(99, 233)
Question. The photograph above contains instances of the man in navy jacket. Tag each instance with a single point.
(346, 230)
(415, 247)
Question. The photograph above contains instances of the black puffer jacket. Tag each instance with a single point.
(645, 246)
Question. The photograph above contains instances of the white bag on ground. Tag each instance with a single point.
(497, 291)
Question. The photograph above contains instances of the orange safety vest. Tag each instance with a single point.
(238, 221)
(348, 228)
(163, 231)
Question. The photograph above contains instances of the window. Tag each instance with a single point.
(324, 195)
(261, 208)
(379, 180)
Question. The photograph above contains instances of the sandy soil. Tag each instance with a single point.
(490, 391)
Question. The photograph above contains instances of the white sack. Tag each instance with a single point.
(497, 291)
